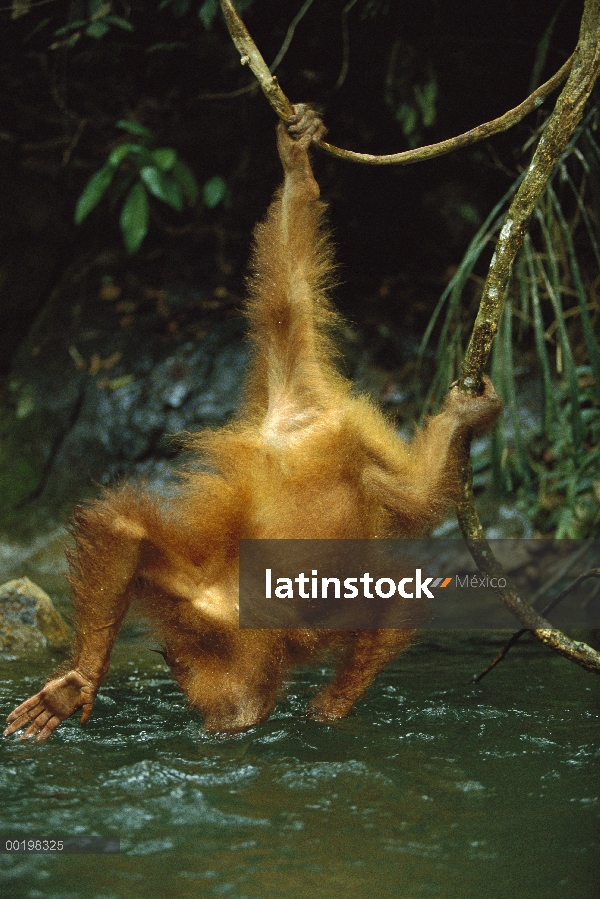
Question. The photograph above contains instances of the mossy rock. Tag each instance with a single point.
(28, 619)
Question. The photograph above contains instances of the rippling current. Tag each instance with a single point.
(434, 788)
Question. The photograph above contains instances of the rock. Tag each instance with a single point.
(93, 395)
(28, 619)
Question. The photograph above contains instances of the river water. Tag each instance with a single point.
(434, 788)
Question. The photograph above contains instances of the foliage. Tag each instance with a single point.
(207, 10)
(410, 91)
(567, 499)
(214, 191)
(547, 303)
(133, 171)
(92, 19)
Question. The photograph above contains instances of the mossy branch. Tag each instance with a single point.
(558, 131)
(555, 136)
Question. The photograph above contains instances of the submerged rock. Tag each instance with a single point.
(28, 619)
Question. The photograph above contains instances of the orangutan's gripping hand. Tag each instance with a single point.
(55, 702)
(474, 413)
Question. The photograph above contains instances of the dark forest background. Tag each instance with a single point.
(398, 229)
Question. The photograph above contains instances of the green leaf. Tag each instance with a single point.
(162, 187)
(93, 192)
(79, 23)
(207, 13)
(542, 51)
(67, 42)
(135, 128)
(539, 333)
(119, 153)
(426, 95)
(97, 30)
(165, 158)
(468, 212)
(119, 22)
(407, 116)
(214, 191)
(568, 360)
(134, 217)
(186, 180)
(97, 8)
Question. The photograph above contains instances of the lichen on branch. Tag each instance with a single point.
(555, 136)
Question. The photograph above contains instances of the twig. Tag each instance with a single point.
(250, 56)
(253, 86)
(345, 47)
(74, 141)
(561, 572)
(290, 34)
(229, 95)
(593, 572)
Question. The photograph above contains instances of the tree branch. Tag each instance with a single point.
(593, 572)
(251, 56)
(250, 88)
(555, 136)
(480, 132)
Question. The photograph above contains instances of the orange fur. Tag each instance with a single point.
(304, 459)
